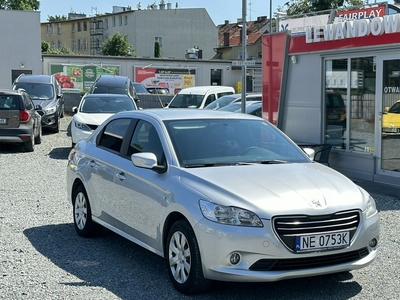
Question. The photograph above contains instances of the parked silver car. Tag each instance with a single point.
(221, 196)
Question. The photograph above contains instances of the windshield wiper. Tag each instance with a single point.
(274, 161)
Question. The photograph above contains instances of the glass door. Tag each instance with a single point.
(389, 117)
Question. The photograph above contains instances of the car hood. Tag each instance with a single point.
(92, 118)
(277, 189)
(44, 103)
(390, 118)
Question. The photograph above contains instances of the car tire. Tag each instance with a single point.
(29, 145)
(57, 128)
(82, 214)
(183, 259)
(38, 138)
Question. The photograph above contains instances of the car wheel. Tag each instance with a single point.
(183, 259)
(29, 145)
(38, 138)
(83, 222)
(57, 128)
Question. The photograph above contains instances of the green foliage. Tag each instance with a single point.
(45, 47)
(19, 4)
(300, 7)
(63, 50)
(56, 18)
(117, 45)
(157, 49)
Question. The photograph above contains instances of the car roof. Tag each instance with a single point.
(112, 79)
(35, 78)
(87, 95)
(163, 114)
(204, 89)
(10, 91)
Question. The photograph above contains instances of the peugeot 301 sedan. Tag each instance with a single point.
(221, 196)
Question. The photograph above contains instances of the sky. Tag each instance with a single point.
(219, 10)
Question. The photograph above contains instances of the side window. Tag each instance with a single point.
(146, 139)
(113, 134)
(28, 103)
(210, 99)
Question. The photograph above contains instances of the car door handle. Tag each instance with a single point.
(121, 176)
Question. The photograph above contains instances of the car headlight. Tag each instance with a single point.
(50, 110)
(82, 126)
(371, 207)
(229, 215)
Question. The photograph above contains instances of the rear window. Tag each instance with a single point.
(9, 102)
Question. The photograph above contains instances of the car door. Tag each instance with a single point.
(143, 195)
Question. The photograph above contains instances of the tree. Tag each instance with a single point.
(56, 18)
(19, 4)
(157, 49)
(45, 47)
(117, 45)
(300, 7)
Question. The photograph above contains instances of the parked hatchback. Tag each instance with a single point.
(45, 91)
(20, 120)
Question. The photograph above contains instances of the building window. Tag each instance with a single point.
(73, 27)
(52, 28)
(79, 45)
(59, 28)
(79, 26)
(48, 29)
(59, 45)
(159, 40)
(84, 26)
(126, 20)
(113, 21)
(106, 24)
(53, 45)
(120, 20)
(73, 45)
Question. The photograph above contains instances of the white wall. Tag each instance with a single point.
(20, 47)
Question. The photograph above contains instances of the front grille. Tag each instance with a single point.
(288, 227)
(307, 262)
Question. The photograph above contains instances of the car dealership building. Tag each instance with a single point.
(356, 57)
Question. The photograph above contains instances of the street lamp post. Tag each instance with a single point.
(244, 55)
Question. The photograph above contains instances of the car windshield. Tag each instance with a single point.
(37, 91)
(186, 101)
(106, 104)
(110, 90)
(213, 142)
(221, 102)
(395, 108)
(140, 88)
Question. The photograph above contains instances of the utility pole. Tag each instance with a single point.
(244, 54)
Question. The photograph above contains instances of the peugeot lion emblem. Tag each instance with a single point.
(316, 203)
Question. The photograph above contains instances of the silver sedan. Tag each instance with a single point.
(221, 196)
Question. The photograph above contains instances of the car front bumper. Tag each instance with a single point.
(260, 251)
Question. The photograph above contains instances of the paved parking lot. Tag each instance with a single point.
(41, 257)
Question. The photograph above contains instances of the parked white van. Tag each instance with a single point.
(199, 96)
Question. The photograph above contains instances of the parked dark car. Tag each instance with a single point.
(114, 84)
(335, 115)
(44, 90)
(140, 88)
(20, 120)
(158, 90)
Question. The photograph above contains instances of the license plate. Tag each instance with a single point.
(320, 242)
(3, 121)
